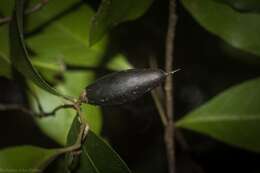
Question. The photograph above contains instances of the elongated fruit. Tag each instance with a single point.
(124, 86)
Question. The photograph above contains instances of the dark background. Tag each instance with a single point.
(208, 65)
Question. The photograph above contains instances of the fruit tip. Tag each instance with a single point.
(172, 72)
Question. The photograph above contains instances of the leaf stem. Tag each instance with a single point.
(83, 130)
(159, 107)
(156, 94)
(169, 52)
(35, 8)
(15, 107)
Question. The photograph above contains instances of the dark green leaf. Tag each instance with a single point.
(5, 68)
(53, 9)
(19, 54)
(233, 116)
(243, 5)
(113, 12)
(238, 29)
(26, 159)
(6, 8)
(97, 156)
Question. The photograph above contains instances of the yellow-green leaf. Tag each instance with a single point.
(26, 159)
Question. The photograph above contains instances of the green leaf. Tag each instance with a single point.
(97, 156)
(241, 30)
(6, 8)
(232, 117)
(49, 68)
(53, 9)
(76, 82)
(19, 54)
(66, 38)
(57, 127)
(243, 5)
(5, 68)
(119, 62)
(26, 159)
(114, 12)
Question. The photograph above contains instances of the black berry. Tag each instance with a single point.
(124, 86)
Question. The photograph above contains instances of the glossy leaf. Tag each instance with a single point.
(19, 54)
(57, 127)
(97, 156)
(243, 5)
(26, 159)
(232, 117)
(66, 38)
(241, 30)
(113, 12)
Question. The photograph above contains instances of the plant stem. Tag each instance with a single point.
(83, 130)
(15, 107)
(35, 8)
(169, 51)
(156, 95)
(160, 108)
(53, 112)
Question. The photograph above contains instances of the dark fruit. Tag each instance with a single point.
(124, 86)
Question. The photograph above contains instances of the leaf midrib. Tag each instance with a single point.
(217, 118)
(90, 160)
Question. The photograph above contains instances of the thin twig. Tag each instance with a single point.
(159, 107)
(77, 106)
(35, 8)
(156, 94)
(37, 100)
(14, 107)
(53, 112)
(169, 130)
(84, 128)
